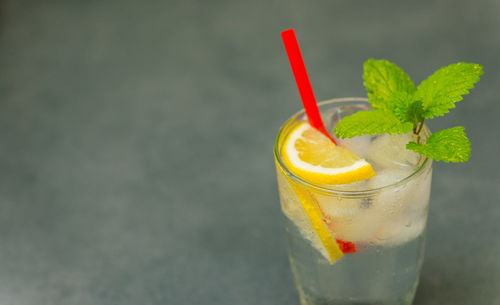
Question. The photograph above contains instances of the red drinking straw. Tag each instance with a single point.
(303, 83)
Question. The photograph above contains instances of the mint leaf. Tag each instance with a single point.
(371, 122)
(405, 108)
(449, 145)
(415, 112)
(399, 104)
(445, 87)
(382, 79)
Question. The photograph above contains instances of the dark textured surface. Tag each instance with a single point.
(136, 141)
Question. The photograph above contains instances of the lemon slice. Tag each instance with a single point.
(316, 159)
(313, 212)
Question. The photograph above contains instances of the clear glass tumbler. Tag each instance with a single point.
(386, 224)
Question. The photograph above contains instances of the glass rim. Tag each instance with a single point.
(425, 163)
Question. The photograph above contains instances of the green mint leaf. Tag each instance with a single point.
(449, 145)
(445, 87)
(399, 104)
(382, 79)
(371, 122)
(415, 112)
(405, 108)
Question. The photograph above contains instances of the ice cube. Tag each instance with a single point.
(389, 151)
(360, 145)
(333, 207)
(385, 177)
(360, 227)
(351, 219)
(401, 229)
(405, 207)
(410, 194)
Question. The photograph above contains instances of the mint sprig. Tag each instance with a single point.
(400, 107)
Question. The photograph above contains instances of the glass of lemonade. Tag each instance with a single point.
(382, 218)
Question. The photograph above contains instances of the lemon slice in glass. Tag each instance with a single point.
(316, 159)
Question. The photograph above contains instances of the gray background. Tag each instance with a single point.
(136, 144)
